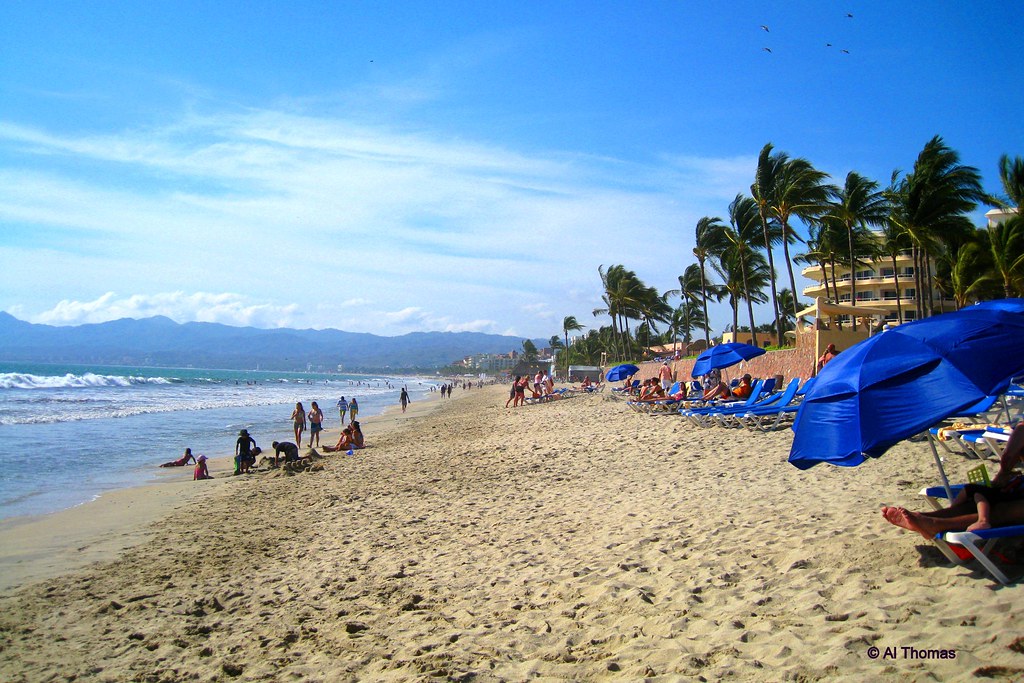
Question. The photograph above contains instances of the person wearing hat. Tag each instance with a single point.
(244, 456)
(201, 472)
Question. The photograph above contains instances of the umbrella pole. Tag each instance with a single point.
(942, 472)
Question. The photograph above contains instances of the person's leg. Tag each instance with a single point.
(1010, 457)
(984, 513)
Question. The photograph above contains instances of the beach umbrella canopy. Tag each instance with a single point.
(904, 380)
(621, 372)
(724, 355)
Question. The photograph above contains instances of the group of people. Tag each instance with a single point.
(542, 385)
(246, 449)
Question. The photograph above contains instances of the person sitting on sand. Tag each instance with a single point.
(344, 441)
(357, 436)
(182, 461)
(976, 506)
(244, 457)
(290, 450)
(201, 472)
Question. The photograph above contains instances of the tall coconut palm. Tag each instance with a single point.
(819, 251)
(933, 201)
(800, 192)
(708, 245)
(858, 204)
(966, 273)
(769, 167)
(569, 324)
(1011, 173)
(740, 257)
(1007, 246)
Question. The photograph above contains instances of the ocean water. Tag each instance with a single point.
(72, 432)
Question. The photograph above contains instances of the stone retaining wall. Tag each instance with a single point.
(789, 363)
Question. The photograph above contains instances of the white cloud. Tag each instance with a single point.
(328, 216)
(226, 308)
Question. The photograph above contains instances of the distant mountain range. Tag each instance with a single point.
(160, 341)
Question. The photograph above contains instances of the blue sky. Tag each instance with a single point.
(404, 166)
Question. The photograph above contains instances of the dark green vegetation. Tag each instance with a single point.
(739, 259)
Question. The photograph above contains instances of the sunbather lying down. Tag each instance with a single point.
(975, 507)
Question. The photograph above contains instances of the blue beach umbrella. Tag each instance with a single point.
(904, 380)
(621, 372)
(722, 356)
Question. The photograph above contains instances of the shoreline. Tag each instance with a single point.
(569, 540)
(38, 547)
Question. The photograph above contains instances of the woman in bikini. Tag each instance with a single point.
(299, 422)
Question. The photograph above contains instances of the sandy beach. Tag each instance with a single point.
(573, 540)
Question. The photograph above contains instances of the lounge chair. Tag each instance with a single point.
(701, 416)
(970, 539)
(783, 405)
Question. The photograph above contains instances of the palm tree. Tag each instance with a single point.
(787, 304)
(932, 203)
(800, 191)
(569, 324)
(708, 245)
(894, 241)
(966, 273)
(1011, 173)
(769, 167)
(1007, 246)
(740, 238)
(858, 204)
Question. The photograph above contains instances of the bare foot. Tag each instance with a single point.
(892, 515)
(979, 526)
(911, 521)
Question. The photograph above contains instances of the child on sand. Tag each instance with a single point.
(201, 472)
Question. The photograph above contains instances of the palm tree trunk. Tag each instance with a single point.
(789, 267)
(928, 275)
(853, 272)
(746, 295)
(839, 322)
(771, 273)
(899, 295)
(704, 298)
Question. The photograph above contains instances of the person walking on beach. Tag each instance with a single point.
(299, 422)
(342, 407)
(665, 375)
(353, 410)
(512, 391)
(316, 424)
(244, 457)
(404, 399)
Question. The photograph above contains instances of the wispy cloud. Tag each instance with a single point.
(293, 209)
(229, 309)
